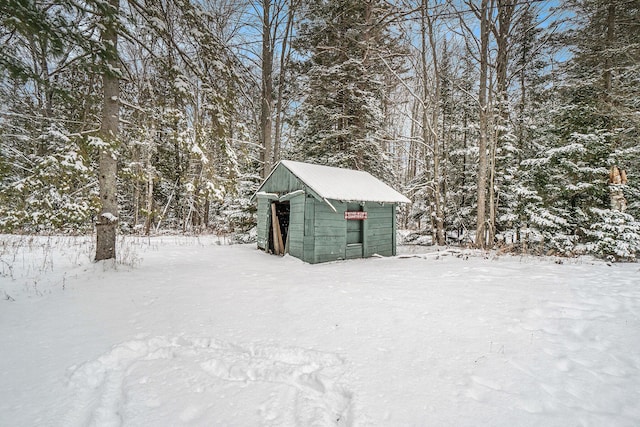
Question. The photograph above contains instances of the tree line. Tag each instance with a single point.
(508, 123)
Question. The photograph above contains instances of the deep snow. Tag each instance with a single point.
(190, 332)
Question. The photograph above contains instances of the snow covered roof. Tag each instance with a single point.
(344, 184)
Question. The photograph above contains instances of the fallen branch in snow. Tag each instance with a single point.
(456, 252)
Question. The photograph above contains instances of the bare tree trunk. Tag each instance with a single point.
(136, 157)
(43, 91)
(522, 105)
(107, 173)
(136, 203)
(413, 146)
(465, 159)
(491, 187)
(617, 176)
(432, 126)
(284, 61)
(207, 208)
(149, 219)
(446, 143)
(505, 14)
(481, 228)
(611, 19)
(150, 178)
(150, 149)
(267, 90)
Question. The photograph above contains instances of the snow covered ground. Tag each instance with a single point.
(186, 331)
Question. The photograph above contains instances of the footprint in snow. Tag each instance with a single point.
(135, 381)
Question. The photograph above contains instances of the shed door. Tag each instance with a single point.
(355, 232)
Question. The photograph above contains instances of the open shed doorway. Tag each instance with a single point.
(279, 228)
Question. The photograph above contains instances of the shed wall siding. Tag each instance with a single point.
(282, 181)
(379, 230)
(309, 230)
(330, 232)
(296, 226)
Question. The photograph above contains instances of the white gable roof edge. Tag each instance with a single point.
(341, 184)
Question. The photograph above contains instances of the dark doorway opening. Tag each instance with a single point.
(279, 232)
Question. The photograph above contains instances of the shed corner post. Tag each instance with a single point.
(365, 230)
(394, 230)
(309, 244)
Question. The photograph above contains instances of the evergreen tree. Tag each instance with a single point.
(614, 235)
(530, 99)
(346, 44)
(56, 192)
(182, 96)
(598, 126)
(47, 107)
(462, 152)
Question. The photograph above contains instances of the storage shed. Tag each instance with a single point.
(321, 213)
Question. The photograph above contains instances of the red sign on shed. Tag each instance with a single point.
(355, 215)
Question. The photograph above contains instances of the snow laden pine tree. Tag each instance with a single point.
(597, 128)
(614, 235)
(47, 55)
(183, 96)
(522, 218)
(53, 193)
(346, 44)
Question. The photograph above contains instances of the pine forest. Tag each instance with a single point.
(510, 124)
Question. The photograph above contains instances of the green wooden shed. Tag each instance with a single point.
(321, 213)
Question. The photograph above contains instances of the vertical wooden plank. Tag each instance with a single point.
(309, 230)
(267, 208)
(365, 230)
(330, 231)
(278, 246)
(260, 220)
(286, 245)
(282, 181)
(394, 231)
(297, 226)
(264, 219)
